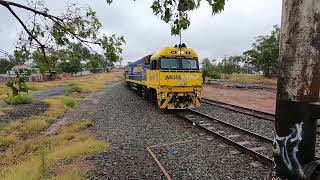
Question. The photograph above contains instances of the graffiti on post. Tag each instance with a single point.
(285, 151)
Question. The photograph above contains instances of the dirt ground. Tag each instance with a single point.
(262, 100)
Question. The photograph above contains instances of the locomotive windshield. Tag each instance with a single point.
(189, 64)
(179, 64)
(170, 63)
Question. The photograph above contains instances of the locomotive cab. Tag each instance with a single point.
(180, 80)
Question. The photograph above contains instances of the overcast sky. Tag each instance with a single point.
(229, 33)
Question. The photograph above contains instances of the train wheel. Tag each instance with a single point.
(144, 92)
(153, 96)
(150, 95)
(139, 90)
(128, 85)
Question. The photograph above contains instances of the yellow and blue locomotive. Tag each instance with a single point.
(170, 77)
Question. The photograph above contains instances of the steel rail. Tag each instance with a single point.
(163, 170)
(223, 105)
(263, 158)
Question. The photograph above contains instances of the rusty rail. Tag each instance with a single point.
(240, 109)
(263, 158)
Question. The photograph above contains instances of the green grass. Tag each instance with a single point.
(68, 101)
(34, 157)
(35, 125)
(74, 88)
(31, 155)
(3, 125)
(249, 78)
(19, 99)
(8, 140)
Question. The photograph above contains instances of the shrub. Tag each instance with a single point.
(35, 125)
(20, 83)
(74, 88)
(19, 99)
(8, 140)
(214, 74)
(77, 127)
(68, 101)
(3, 125)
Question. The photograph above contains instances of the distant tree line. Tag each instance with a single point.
(72, 61)
(263, 57)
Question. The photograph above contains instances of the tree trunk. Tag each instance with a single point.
(298, 88)
(203, 78)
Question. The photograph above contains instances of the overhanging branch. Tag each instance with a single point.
(58, 20)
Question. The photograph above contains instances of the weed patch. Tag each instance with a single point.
(68, 101)
(8, 140)
(90, 83)
(3, 125)
(74, 88)
(76, 127)
(34, 157)
(31, 155)
(249, 78)
(4, 111)
(19, 99)
(35, 125)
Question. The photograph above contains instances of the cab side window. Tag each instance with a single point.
(154, 65)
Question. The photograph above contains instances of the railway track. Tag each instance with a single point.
(255, 145)
(239, 109)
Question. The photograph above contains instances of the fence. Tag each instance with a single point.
(32, 78)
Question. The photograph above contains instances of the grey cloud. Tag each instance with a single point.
(229, 33)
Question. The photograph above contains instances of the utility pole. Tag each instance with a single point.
(297, 106)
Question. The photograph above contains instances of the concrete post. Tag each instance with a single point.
(298, 88)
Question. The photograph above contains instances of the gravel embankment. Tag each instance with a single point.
(36, 107)
(262, 127)
(199, 155)
(131, 124)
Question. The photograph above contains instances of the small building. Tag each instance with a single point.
(118, 66)
(23, 66)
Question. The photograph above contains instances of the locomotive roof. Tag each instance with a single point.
(173, 52)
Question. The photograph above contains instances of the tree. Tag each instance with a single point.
(265, 53)
(230, 65)
(46, 33)
(248, 69)
(5, 65)
(297, 107)
(20, 83)
(103, 61)
(94, 63)
(209, 69)
(20, 55)
(48, 63)
(113, 48)
(77, 54)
